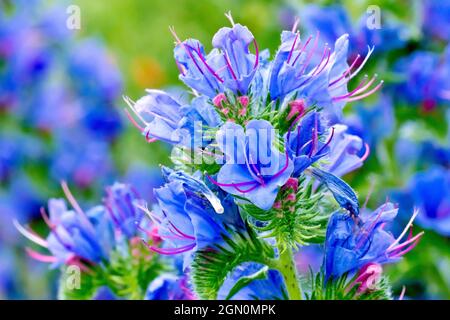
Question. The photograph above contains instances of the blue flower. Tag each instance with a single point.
(435, 18)
(169, 287)
(324, 83)
(303, 143)
(241, 64)
(254, 168)
(161, 115)
(344, 152)
(351, 245)
(189, 215)
(424, 77)
(271, 287)
(76, 237)
(80, 159)
(230, 65)
(88, 236)
(333, 21)
(120, 202)
(429, 191)
(95, 74)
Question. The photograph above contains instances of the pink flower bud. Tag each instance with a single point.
(291, 197)
(292, 183)
(277, 205)
(219, 100)
(243, 100)
(368, 277)
(297, 108)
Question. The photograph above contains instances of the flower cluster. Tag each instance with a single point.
(259, 151)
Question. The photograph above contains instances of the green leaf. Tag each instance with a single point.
(212, 265)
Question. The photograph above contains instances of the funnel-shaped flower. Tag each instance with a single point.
(189, 215)
(350, 245)
(254, 168)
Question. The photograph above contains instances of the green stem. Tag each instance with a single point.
(287, 268)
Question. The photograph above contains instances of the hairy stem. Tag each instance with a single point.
(287, 268)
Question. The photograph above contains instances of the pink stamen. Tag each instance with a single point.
(349, 69)
(170, 251)
(366, 94)
(402, 253)
(310, 54)
(366, 154)
(292, 48)
(328, 141)
(181, 233)
(39, 256)
(326, 62)
(248, 190)
(295, 25)
(302, 50)
(394, 250)
(76, 206)
(210, 69)
(256, 53)
(148, 139)
(227, 61)
(351, 93)
(134, 122)
(30, 234)
(239, 184)
(46, 219)
(286, 165)
(172, 30)
(402, 294)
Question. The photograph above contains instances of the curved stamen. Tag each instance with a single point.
(30, 234)
(361, 66)
(412, 246)
(302, 50)
(256, 54)
(367, 153)
(351, 93)
(149, 139)
(227, 61)
(310, 55)
(170, 251)
(408, 225)
(248, 190)
(202, 59)
(286, 165)
(133, 122)
(367, 86)
(239, 184)
(328, 141)
(349, 69)
(39, 256)
(181, 232)
(367, 93)
(326, 49)
(292, 48)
